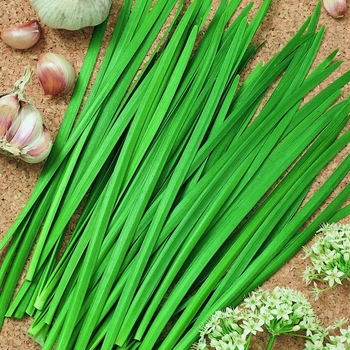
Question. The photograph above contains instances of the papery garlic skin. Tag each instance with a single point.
(72, 14)
(23, 36)
(55, 73)
(9, 108)
(336, 8)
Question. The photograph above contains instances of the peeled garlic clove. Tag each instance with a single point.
(55, 73)
(23, 36)
(37, 152)
(72, 14)
(336, 8)
(9, 107)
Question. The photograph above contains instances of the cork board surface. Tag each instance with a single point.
(17, 179)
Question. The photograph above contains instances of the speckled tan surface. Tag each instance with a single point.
(17, 179)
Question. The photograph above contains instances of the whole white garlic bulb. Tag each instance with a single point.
(22, 132)
(72, 14)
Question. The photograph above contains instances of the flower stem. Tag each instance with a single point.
(247, 344)
(271, 341)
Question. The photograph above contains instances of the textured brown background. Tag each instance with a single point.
(17, 178)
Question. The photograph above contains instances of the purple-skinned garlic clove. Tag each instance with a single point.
(56, 74)
(336, 8)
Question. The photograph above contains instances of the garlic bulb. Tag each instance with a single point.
(9, 108)
(55, 73)
(72, 14)
(23, 36)
(336, 8)
(22, 132)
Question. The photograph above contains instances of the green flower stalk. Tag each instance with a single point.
(329, 257)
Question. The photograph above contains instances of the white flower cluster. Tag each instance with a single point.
(329, 256)
(281, 311)
(229, 329)
(286, 310)
(332, 342)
